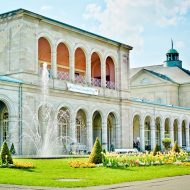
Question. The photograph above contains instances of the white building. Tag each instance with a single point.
(89, 77)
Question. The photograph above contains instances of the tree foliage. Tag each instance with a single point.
(156, 149)
(96, 154)
(12, 149)
(176, 148)
(6, 157)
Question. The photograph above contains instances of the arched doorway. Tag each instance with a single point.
(110, 73)
(176, 122)
(136, 132)
(158, 134)
(62, 62)
(4, 123)
(97, 126)
(183, 133)
(44, 52)
(95, 69)
(147, 133)
(81, 130)
(167, 128)
(80, 66)
(63, 121)
(111, 132)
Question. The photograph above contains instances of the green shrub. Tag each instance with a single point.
(12, 149)
(166, 142)
(96, 154)
(176, 148)
(6, 155)
(156, 150)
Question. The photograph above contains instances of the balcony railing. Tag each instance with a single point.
(81, 79)
(96, 82)
(62, 75)
(110, 84)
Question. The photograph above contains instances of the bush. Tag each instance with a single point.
(12, 149)
(176, 148)
(22, 165)
(96, 154)
(156, 150)
(166, 142)
(79, 164)
(6, 155)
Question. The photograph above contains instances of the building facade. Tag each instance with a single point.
(89, 83)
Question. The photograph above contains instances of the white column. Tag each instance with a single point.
(104, 133)
(153, 135)
(88, 69)
(103, 72)
(72, 66)
(187, 135)
(180, 134)
(142, 145)
(162, 134)
(54, 63)
(73, 128)
(171, 128)
(89, 134)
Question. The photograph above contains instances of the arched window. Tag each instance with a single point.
(62, 62)
(95, 70)
(110, 73)
(80, 66)
(4, 122)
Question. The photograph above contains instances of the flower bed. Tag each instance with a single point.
(143, 159)
(80, 164)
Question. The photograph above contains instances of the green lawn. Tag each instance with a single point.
(47, 172)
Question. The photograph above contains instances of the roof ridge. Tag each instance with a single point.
(4, 15)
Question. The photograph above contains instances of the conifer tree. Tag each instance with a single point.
(12, 149)
(96, 154)
(6, 155)
(176, 147)
(156, 149)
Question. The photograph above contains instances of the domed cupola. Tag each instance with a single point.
(172, 58)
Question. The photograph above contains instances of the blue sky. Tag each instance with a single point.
(147, 25)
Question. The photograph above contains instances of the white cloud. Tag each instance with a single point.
(125, 20)
(46, 8)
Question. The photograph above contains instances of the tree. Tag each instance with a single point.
(156, 149)
(96, 154)
(6, 157)
(176, 147)
(12, 149)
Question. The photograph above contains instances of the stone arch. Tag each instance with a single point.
(136, 120)
(147, 132)
(97, 125)
(44, 52)
(81, 128)
(63, 57)
(158, 123)
(175, 128)
(96, 69)
(110, 73)
(80, 65)
(111, 131)
(167, 123)
(183, 130)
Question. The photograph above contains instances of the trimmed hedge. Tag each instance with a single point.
(96, 154)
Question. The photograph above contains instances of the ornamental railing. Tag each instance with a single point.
(80, 79)
(96, 82)
(62, 75)
(110, 84)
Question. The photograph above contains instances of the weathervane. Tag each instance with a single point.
(172, 43)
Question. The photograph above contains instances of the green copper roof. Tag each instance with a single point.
(9, 79)
(172, 51)
(61, 24)
(160, 75)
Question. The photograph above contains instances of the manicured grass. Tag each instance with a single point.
(47, 172)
